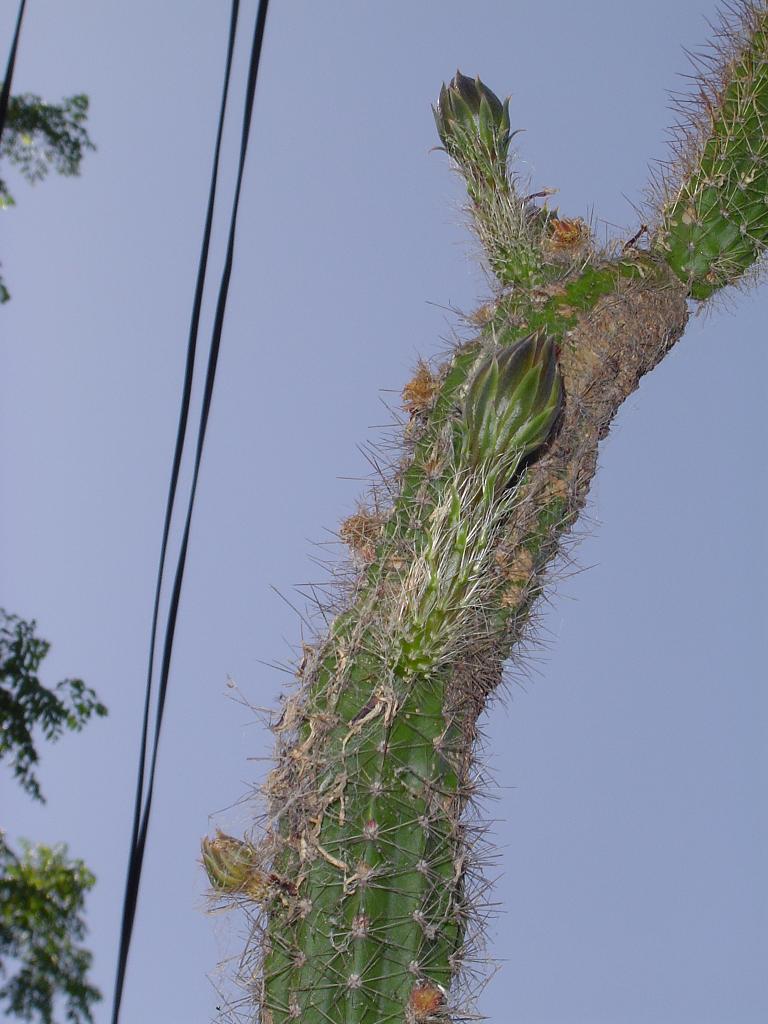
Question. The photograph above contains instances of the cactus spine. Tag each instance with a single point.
(363, 883)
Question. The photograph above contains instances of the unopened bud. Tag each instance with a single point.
(468, 112)
(229, 864)
(513, 400)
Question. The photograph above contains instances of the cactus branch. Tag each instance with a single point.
(364, 881)
(713, 224)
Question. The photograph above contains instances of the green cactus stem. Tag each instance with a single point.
(383, 867)
(473, 125)
(714, 226)
(526, 244)
(374, 769)
(363, 884)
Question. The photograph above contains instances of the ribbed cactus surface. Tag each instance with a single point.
(381, 752)
(715, 224)
(364, 879)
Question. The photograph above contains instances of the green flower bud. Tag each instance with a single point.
(229, 864)
(513, 401)
(468, 113)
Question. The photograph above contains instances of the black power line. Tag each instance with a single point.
(5, 92)
(136, 847)
(143, 804)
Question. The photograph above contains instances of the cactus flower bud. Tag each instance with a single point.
(468, 112)
(513, 401)
(228, 862)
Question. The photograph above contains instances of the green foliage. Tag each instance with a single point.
(25, 703)
(41, 904)
(40, 136)
(42, 892)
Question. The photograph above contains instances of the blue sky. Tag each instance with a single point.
(629, 753)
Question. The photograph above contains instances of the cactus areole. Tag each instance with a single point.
(364, 882)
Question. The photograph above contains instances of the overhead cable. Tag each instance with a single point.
(5, 92)
(145, 783)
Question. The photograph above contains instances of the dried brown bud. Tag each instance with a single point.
(420, 390)
(361, 532)
(425, 1002)
(567, 234)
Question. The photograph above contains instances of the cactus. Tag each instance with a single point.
(363, 880)
(714, 221)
